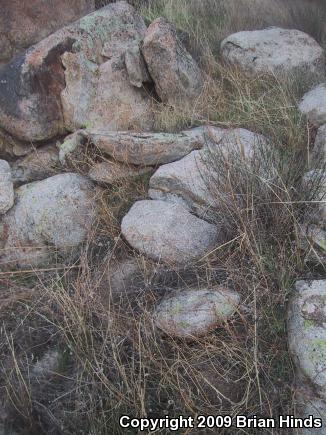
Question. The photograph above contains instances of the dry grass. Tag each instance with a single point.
(111, 359)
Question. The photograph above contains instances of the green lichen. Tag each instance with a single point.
(308, 323)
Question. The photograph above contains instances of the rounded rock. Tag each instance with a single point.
(168, 232)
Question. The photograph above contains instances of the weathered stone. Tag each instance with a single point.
(101, 96)
(113, 172)
(39, 164)
(313, 105)
(188, 181)
(50, 217)
(6, 187)
(307, 332)
(167, 232)
(318, 155)
(274, 50)
(23, 24)
(175, 73)
(148, 149)
(136, 67)
(30, 87)
(192, 313)
(11, 147)
(76, 77)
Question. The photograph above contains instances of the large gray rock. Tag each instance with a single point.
(37, 165)
(175, 73)
(167, 232)
(23, 23)
(50, 218)
(274, 50)
(6, 187)
(191, 181)
(147, 149)
(76, 77)
(307, 332)
(192, 313)
(313, 105)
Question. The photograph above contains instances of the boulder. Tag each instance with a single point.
(318, 155)
(76, 77)
(175, 73)
(41, 163)
(274, 50)
(307, 332)
(192, 180)
(168, 232)
(50, 219)
(313, 105)
(184, 182)
(113, 172)
(192, 313)
(101, 96)
(23, 24)
(147, 149)
(6, 187)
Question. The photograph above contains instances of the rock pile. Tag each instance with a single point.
(98, 80)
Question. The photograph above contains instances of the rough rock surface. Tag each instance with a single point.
(6, 187)
(175, 73)
(136, 67)
(313, 105)
(307, 332)
(147, 149)
(192, 313)
(168, 232)
(274, 50)
(23, 23)
(11, 147)
(39, 164)
(316, 407)
(49, 217)
(319, 150)
(76, 77)
(188, 180)
(113, 172)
